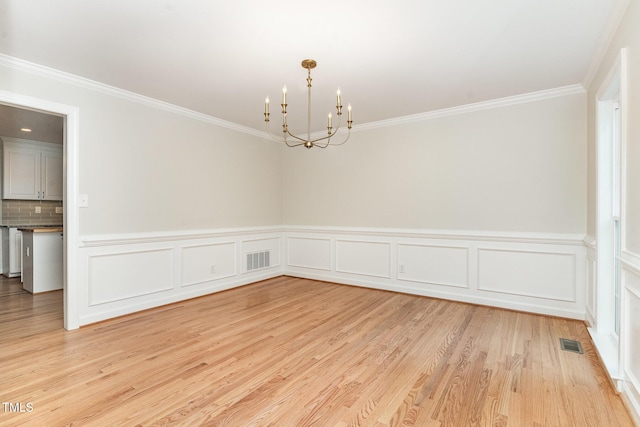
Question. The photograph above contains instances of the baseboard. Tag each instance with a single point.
(631, 399)
(126, 308)
(451, 296)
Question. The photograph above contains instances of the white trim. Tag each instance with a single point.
(558, 245)
(147, 291)
(339, 269)
(288, 254)
(169, 236)
(131, 305)
(632, 402)
(493, 236)
(93, 301)
(405, 278)
(234, 272)
(631, 260)
(607, 348)
(41, 70)
(532, 294)
(590, 242)
(477, 106)
(523, 306)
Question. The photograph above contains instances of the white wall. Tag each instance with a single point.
(518, 168)
(627, 36)
(487, 205)
(148, 169)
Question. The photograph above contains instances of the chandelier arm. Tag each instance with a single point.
(293, 145)
(296, 137)
(282, 140)
(325, 145)
(345, 140)
(275, 138)
(322, 142)
(328, 143)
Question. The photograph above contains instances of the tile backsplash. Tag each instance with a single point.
(23, 212)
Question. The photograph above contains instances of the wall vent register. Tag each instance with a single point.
(258, 260)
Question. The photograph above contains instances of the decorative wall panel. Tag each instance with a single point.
(363, 258)
(548, 275)
(439, 265)
(203, 263)
(123, 275)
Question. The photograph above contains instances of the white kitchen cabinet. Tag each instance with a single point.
(12, 251)
(31, 170)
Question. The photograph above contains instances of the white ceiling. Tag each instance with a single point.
(390, 58)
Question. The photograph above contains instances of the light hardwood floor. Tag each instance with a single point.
(295, 352)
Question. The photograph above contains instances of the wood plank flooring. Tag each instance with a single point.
(296, 352)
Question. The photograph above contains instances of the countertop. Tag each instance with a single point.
(41, 229)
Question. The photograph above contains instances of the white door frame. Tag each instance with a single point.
(610, 346)
(70, 193)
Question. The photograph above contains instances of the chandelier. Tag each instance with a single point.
(322, 142)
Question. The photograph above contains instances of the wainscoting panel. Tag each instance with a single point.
(129, 273)
(521, 271)
(438, 265)
(123, 275)
(530, 272)
(203, 263)
(309, 252)
(548, 275)
(363, 258)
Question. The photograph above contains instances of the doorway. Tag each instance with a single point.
(69, 114)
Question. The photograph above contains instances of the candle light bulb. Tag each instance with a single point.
(266, 105)
(329, 125)
(339, 104)
(349, 110)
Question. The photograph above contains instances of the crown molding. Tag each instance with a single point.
(477, 106)
(64, 77)
(462, 109)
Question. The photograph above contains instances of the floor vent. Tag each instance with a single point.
(258, 260)
(571, 345)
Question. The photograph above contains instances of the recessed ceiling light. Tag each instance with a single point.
(25, 129)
